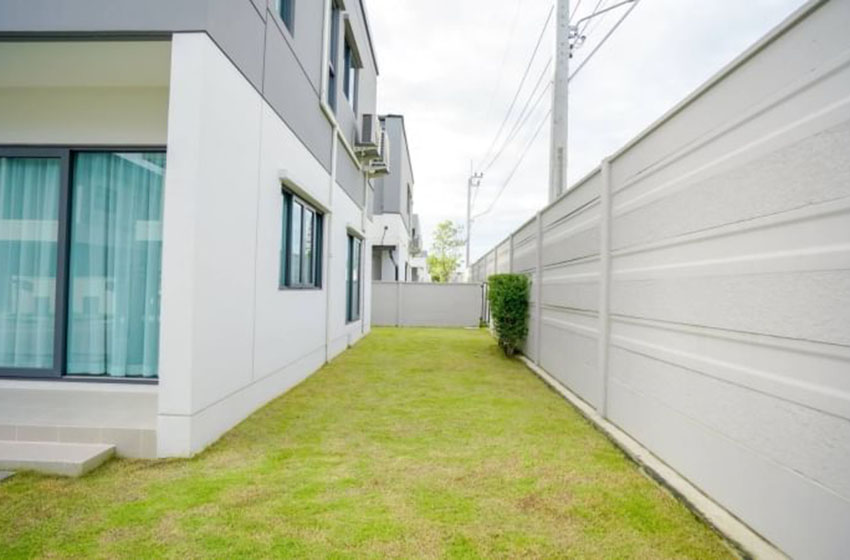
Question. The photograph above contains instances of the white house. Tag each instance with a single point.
(395, 238)
(185, 191)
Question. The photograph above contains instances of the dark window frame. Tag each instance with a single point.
(58, 372)
(286, 13)
(353, 315)
(284, 280)
(333, 54)
(351, 72)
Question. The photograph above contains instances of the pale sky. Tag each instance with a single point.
(441, 66)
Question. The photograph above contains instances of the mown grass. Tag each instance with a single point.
(416, 443)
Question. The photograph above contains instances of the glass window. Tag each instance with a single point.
(115, 263)
(286, 10)
(297, 213)
(350, 78)
(29, 226)
(333, 54)
(352, 291)
(301, 245)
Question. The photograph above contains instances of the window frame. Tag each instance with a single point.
(350, 315)
(58, 372)
(285, 10)
(351, 71)
(333, 54)
(284, 279)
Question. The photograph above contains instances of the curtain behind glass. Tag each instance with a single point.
(115, 260)
(29, 212)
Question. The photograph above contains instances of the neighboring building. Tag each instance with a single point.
(393, 220)
(418, 256)
(185, 189)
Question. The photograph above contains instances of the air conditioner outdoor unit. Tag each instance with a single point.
(379, 165)
(367, 145)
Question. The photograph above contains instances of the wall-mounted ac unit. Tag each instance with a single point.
(379, 165)
(368, 141)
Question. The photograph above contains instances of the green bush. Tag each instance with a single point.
(509, 309)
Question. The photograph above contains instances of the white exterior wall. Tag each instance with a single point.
(230, 339)
(696, 290)
(396, 235)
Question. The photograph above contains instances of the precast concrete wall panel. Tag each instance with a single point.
(696, 288)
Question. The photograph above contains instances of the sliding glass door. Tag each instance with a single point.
(29, 230)
(114, 272)
(80, 258)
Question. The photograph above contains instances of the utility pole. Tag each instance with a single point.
(474, 181)
(560, 101)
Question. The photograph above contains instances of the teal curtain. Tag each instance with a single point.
(29, 212)
(115, 261)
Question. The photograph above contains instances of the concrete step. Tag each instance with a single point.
(65, 459)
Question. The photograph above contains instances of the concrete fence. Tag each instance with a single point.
(695, 288)
(404, 304)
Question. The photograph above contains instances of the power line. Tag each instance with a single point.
(520, 126)
(521, 83)
(575, 10)
(508, 44)
(605, 38)
(518, 163)
(514, 128)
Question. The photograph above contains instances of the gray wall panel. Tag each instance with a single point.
(349, 177)
(293, 97)
(426, 305)
(238, 29)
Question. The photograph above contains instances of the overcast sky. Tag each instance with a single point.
(452, 67)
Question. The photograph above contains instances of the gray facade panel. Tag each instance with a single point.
(293, 98)
(306, 36)
(260, 5)
(392, 189)
(238, 30)
(349, 177)
(50, 16)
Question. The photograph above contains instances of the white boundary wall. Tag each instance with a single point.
(695, 289)
(414, 304)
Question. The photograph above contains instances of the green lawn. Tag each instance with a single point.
(416, 443)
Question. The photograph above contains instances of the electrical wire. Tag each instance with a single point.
(605, 38)
(507, 49)
(521, 83)
(519, 119)
(575, 10)
(518, 163)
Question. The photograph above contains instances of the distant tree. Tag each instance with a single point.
(444, 259)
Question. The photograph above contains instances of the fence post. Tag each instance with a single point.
(605, 216)
(538, 290)
(511, 254)
(398, 304)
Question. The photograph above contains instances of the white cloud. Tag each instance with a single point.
(440, 66)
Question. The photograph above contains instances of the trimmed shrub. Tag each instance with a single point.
(509, 309)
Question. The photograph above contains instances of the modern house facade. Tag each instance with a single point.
(393, 223)
(185, 191)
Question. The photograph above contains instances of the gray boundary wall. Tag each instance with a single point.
(411, 304)
(695, 288)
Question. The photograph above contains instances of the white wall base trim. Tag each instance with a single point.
(739, 535)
